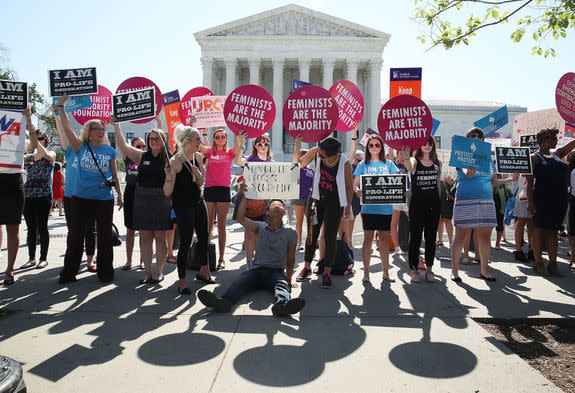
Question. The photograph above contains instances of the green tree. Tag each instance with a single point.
(449, 23)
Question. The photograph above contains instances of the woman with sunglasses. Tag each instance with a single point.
(424, 206)
(12, 199)
(71, 160)
(330, 200)
(548, 197)
(217, 185)
(184, 179)
(129, 193)
(375, 218)
(474, 210)
(38, 163)
(93, 198)
(151, 206)
(255, 209)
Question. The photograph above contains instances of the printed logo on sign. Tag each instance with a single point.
(9, 126)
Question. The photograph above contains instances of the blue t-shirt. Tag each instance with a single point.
(71, 171)
(376, 168)
(89, 180)
(477, 186)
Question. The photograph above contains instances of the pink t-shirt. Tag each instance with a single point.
(219, 168)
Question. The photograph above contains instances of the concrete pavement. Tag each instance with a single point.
(398, 337)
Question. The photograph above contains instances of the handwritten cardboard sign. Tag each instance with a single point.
(13, 95)
(134, 105)
(513, 160)
(250, 108)
(269, 180)
(405, 120)
(350, 103)
(310, 111)
(73, 82)
(383, 189)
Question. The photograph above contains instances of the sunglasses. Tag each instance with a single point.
(156, 139)
(475, 136)
(41, 138)
(218, 137)
(374, 145)
(140, 146)
(261, 144)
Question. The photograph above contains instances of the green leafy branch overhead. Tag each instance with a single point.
(449, 23)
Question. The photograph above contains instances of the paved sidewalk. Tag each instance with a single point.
(399, 337)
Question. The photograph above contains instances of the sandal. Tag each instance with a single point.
(145, 281)
(365, 279)
(92, 268)
(184, 291)
(221, 264)
(388, 279)
(172, 260)
(430, 277)
(42, 264)
(127, 266)
(8, 278)
(157, 280)
(199, 277)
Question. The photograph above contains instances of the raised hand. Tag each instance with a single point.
(62, 100)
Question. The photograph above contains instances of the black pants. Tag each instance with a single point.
(84, 211)
(328, 212)
(36, 212)
(90, 240)
(423, 218)
(192, 219)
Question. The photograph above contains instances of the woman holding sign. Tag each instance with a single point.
(184, 179)
(424, 206)
(151, 207)
(93, 197)
(12, 195)
(375, 217)
(548, 197)
(255, 209)
(474, 209)
(330, 200)
(217, 185)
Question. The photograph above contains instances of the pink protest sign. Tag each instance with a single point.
(250, 108)
(405, 120)
(101, 107)
(565, 97)
(310, 111)
(186, 109)
(139, 83)
(350, 103)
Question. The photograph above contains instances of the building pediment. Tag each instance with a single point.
(292, 20)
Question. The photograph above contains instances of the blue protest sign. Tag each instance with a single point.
(296, 84)
(436, 124)
(171, 97)
(468, 152)
(494, 121)
(405, 74)
(74, 103)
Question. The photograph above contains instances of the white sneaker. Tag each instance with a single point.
(299, 246)
(399, 251)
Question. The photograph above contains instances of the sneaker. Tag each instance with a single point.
(415, 277)
(210, 300)
(399, 251)
(530, 255)
(304, 274)
(300, 246)
(520, 257)
(290, 307)
(455, 277)
(326, 281)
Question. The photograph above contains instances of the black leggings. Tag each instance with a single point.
(190, 220)
(329, 213)
(423, 217)
(36, 212)
(90, 240)
(83, 212)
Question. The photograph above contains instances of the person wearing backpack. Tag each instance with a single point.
(93, 197)
(273, 265)
(375, 217)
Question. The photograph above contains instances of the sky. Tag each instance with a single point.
(125, 38)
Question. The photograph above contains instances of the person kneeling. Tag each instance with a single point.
(274, 252)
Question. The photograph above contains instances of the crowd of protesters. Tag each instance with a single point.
(192, 186)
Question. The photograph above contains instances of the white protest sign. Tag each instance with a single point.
(271, 180)
(12, 141)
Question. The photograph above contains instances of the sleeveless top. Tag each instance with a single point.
(39, 182)
(151, 170)
(186, 191)
(424, 181)
(131, 172)
(551, 179)
(327, 181)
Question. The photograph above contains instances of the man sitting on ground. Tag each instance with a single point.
(275, 251)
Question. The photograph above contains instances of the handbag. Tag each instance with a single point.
(195, 259)
(509, 206)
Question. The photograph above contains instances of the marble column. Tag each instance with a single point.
(327, 68)
(231, 64)
(207, 68)
(351, 75)
(277, 129)
(375, 91)
(255, 64)
(304, 65)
